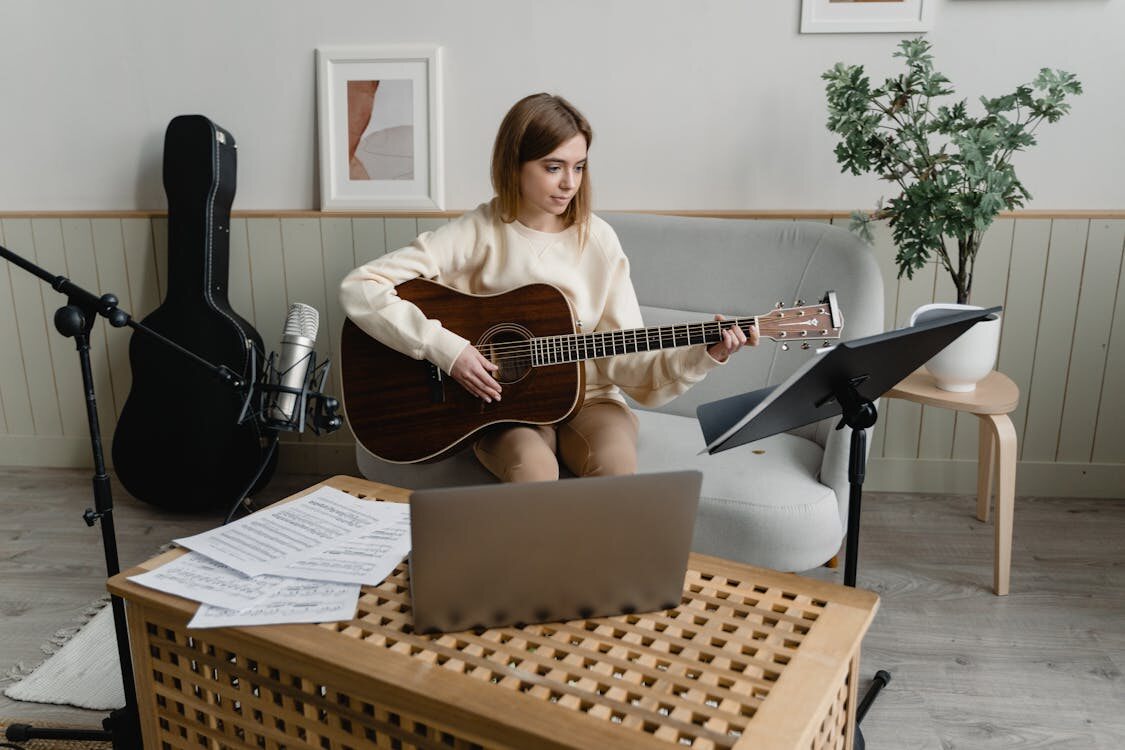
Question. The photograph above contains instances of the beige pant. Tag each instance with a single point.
(601, 440)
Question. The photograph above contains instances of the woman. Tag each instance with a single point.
(538, 228)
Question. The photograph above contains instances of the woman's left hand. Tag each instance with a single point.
(734, 338)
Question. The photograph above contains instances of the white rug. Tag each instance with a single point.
(85, 672)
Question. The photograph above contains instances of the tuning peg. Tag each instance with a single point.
(827, 344)
(785, 347)
(804, 345)
(799, 303)
(779, 304)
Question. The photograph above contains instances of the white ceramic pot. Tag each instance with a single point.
(972, 355)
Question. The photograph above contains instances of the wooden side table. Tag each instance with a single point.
(994, 398)
(750, 658)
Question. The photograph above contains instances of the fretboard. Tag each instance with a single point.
(575, 347)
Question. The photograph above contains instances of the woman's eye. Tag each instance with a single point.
(553, 168)
(580, 168)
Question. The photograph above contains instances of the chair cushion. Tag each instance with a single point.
(455, 471)
(761, 503)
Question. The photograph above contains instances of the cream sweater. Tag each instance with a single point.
(479, 254)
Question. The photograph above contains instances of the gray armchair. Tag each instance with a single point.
(780, 502)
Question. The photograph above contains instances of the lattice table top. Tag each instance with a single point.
(747, 657)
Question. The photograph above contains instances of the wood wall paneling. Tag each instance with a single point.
(1089, 345)
(1109, 437)
(36, 331)
(15, 396)
(1059, 278)
(400, 232)
(370, 239)
(427, 224)
(1056, 328)
(267, 278)
(1026, 274)
(138, 293)
(160, 245)
(240, 288)
(7, 334)
(338, 241)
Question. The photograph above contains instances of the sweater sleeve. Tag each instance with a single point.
(368, 295)
(650, 378)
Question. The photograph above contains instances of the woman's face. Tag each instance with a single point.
(547, 185)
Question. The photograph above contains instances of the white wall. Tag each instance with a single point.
(709, 104)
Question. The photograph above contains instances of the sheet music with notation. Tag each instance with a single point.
(277, 537)
(301, 561)
(365, 556)
(294, 601)
(194, 576)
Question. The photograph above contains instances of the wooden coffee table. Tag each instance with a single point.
(750, 658)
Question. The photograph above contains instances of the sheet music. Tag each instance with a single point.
(367, 556)
(293, 601)
(194, 576)
(276, 537)
(302, 561)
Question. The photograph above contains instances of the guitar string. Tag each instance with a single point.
(523, 350)
(571, 342)
(665, 335)
(547, 348)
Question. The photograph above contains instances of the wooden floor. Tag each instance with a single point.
(1040, 668)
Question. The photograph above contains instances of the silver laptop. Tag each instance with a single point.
(504, 554)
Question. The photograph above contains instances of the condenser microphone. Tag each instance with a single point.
(297, 342)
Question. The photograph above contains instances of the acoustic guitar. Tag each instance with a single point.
(406, 410)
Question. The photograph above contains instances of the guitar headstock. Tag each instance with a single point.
(804, 323)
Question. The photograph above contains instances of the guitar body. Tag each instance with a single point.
(402, 411)
(178, 443)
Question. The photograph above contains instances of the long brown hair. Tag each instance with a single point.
(534, 127)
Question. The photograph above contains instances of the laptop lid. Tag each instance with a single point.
(501, 554)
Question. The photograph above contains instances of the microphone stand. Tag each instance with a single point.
(75, 320)
(308, 398)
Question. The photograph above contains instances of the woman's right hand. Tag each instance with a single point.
(474, 373)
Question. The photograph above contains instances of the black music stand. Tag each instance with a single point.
(845, 381)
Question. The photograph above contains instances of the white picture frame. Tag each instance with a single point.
(858, 16)
(379, 127)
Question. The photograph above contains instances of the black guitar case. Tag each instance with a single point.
(178, 442)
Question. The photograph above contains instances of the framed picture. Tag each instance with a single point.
(844, 16)
(379, 121)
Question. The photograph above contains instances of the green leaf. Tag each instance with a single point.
(953, 168)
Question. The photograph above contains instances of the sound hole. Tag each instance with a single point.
(507, 347)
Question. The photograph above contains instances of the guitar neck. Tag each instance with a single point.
(555, 350)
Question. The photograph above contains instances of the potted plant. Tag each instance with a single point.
(952, 169)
